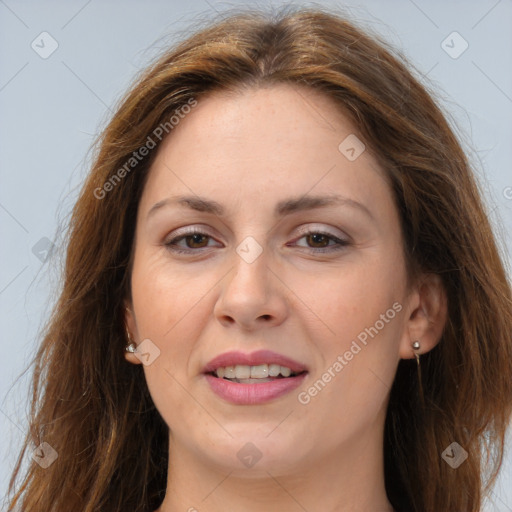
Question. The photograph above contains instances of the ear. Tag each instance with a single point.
(427, 312)
(131, 328)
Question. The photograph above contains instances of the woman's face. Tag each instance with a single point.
(319, 285)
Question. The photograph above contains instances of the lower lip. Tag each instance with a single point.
(253, 394)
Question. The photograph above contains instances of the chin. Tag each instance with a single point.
(259, 454)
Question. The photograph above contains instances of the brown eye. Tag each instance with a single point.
(193, 241)
(196, 241)
(318, 240)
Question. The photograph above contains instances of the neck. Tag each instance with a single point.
(350, 478)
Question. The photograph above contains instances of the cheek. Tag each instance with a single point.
(361, 307)
(353, 296)
(165, 296)
(169, 311)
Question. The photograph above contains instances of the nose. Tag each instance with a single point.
(251, 296)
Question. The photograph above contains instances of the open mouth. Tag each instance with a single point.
(245, 374)
(246, 384)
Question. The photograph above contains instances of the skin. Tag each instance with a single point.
(248, 151)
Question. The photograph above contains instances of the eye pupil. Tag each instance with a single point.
(196, 239)
(318, 238)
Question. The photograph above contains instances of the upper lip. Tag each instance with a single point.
(234, 358)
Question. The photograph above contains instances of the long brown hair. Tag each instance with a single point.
(94, 408)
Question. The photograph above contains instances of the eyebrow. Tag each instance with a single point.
(283, 208)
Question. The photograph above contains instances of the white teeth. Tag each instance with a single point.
(273, 370)
(261, 371)
(285, 372)
(229, 372)
(242, 371)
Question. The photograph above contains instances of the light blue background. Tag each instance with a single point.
(52, 109)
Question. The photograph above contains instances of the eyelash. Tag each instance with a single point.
(339, 244)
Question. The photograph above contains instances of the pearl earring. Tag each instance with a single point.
(131, 347)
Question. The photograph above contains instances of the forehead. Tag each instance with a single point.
(264, 143)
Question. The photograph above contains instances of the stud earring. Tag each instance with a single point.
(131, 347)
